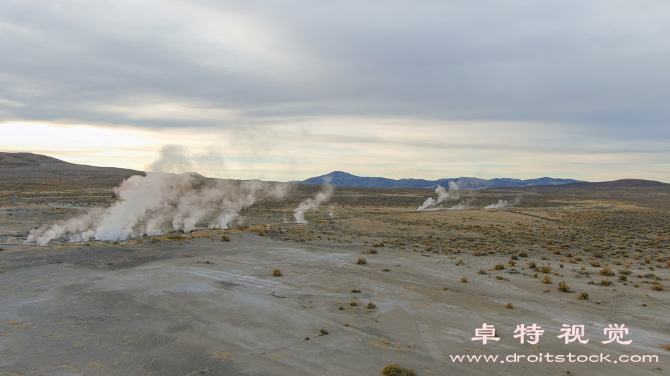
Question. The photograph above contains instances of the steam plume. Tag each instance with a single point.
(505, 203)
(312, 203)
(442, 195)
(159, 202)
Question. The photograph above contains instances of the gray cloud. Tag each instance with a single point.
(588, 70)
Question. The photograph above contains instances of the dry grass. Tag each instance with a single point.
(397, 370)
(606, 271)
(563, 287)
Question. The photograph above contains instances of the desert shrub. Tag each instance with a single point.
(545, 269)
(544, 257)
(515, 257)
(482, 271)
(355, 291)
(523, 254)
(361, 261)
(511, 262)
(647, 259)
(606, 271)
(323, 332)
(623, 278)
(371, 305)
(509, 306)
(657, 287)
(353, 304)
(464, 280)
(531, 264)
(396, 370)
(371, 252)
(225, 238)
(606, 282)
(595, 263)
(563, 287)
(546, 279)
(583, 296)
(624, 272)
(499, 266)
(277, 273)
(598, 254)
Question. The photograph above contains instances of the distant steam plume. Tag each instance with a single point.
(505, 203)
(312, 203)
(176, 159)
(442, 195)
(159, 202)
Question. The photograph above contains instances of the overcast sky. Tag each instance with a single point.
(285, 90)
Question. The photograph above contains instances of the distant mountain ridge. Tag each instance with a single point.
(343, 179)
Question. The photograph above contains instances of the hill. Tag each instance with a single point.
(37, 169)
(343, 179)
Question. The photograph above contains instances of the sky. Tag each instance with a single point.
(286, 90)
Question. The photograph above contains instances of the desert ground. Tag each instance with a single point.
(213, 302)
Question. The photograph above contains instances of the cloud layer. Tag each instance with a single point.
(566, 78)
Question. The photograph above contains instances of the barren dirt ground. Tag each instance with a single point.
(186, 304)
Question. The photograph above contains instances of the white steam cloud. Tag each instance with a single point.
(159, 202)
(312, 203)
(505, 203)
(176, 159)
(442, 195)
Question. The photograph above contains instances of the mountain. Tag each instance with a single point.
(622, 183)
(344, 179)
(41, 169)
